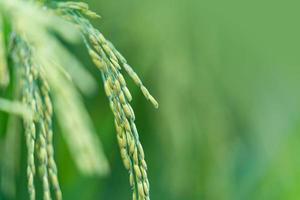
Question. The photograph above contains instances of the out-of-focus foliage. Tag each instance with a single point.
(226, 74)
(227, 77)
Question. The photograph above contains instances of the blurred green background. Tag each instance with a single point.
(227, 77)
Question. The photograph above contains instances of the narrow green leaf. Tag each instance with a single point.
(4, 76)
(15, 107)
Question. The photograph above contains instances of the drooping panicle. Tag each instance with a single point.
(22, 58)
(48, 115)
(42, 147)
(110, 63)
(38, 130)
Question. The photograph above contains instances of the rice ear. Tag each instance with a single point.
(51, 81)
(109, 61)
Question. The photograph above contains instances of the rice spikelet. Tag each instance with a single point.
(110, 62)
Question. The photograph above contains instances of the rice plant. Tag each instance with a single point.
(47, 79)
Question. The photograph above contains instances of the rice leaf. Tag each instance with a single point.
(4, 76)
(15, 107)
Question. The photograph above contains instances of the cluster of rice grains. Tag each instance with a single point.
(35, 92)
(110, 62)
(38, 130)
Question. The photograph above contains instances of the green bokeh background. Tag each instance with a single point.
(227, 77)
